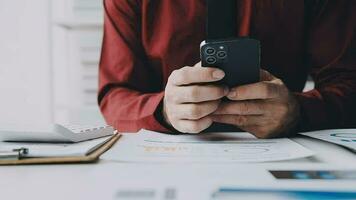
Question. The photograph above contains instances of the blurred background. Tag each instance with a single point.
(49, 55)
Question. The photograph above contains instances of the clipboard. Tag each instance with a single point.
(90, 158)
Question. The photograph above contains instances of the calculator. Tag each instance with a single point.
(52, 132)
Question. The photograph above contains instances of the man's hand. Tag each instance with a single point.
(190, 98)
(265, 109)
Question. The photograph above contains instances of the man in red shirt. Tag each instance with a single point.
(150, 74)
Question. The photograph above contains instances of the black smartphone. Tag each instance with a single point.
(239, 58)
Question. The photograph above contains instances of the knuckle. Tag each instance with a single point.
(178, 126)
(181, 126)
(206, 71)
(261, 107)
(278, 90)
(194, 128)
(199, 125)
(244, 108)
(185, 70)
(240, 120)
(195, 112)
(176, 98)
(174, 73)
(266, 89)
(220, 91)
(170, 97)
(215, 105)
(278, 81)
(215, 92)
(182, 130)
(269, 89)
(179, 75)
(174, 77)
(194, 92)
(202, 73)
(174, 115)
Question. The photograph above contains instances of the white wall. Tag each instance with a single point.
(25, 72)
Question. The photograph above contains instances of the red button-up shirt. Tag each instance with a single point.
(145, 40)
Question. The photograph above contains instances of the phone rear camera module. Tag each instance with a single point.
(221, 54)
(211, 60)
(210, 51)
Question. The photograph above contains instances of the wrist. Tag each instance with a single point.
(295, 120)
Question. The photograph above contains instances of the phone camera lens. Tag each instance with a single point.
(210, 51)
(221, 54)
(211, 60)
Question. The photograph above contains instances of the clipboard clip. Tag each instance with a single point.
(14, 154)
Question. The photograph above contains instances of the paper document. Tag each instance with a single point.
(343, 137)
(209, 147)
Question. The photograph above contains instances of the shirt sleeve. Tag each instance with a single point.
(332, 104)
(130, 90)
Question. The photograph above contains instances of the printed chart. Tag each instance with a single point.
(216, 147)
(343, 137)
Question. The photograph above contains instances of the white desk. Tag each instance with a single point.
(104, 179)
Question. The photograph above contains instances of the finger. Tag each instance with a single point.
(239, 120)
(266, 76)
(260, 90)
(250, 107)
(194, 126)
(196, 74)
(199, 93)
(195, 111)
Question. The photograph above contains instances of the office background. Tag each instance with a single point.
(49, 55)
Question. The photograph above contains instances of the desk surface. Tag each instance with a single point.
(104, 179)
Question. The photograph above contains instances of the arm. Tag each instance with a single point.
(269, 109)
(131, 93)
(130, 90)
(332, 104)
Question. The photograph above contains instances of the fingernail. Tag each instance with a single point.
(218, 74)
(232, 94)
